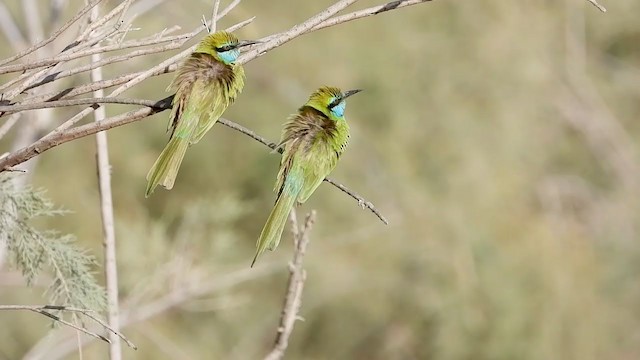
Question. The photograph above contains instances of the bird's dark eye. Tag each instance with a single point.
(334, 103)
(225, 48)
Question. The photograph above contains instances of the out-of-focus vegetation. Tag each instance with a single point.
(499, 137)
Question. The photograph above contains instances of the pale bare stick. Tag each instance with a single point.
(106, 212)
(374, 10)
(175, 42)
(104, 62)
(119, 11)
(600, 7)
(134, 314)
(75, 102)
(295, 31)
(45, 310)
(214, 15)
(29, 78)
(295, 285)
(80, 43)
(53, 36)
(86, 88)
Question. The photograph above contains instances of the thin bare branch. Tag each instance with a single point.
(42, 310)
(295, 31)
(53, 36)
(374, 10)
(295, 285)
(160, 304)
(214, 15)
(75, 102)
(175, 42)
(106, 211)
(600, 7)
(33, 76)
(118, 10)
(86, 88)
(46, 311)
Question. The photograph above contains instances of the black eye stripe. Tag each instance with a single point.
(225, 48)
(334, 103)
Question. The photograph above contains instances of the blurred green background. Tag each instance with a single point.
(500, 139)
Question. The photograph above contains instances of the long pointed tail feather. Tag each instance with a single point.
(165, 169)
(272, 231)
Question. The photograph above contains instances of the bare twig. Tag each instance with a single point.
(175, 42)
(86, 88)
(106, 212)
(75, 102)
(190, 290)
(295, 31)
(600, 7)
(295, 285)
(46, 311)
(214, 15)
(53, 36)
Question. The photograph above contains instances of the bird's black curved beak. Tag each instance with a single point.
(348, 93)
(242, 43)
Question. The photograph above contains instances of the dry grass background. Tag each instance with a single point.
(484, 135)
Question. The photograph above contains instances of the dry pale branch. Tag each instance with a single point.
(295, 285)
(106, 210)
(191, 289)
(74, 102)
(46, 310)
(53, 36)
(595, 3)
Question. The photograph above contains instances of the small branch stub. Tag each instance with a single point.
(295, 285)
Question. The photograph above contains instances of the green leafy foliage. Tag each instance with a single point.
(33, 250)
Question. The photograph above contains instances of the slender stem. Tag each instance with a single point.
(295, 285)
(74, 102)
(600, 7)
(106, 212)
(295, 31)
(53, 36)
(47, 310)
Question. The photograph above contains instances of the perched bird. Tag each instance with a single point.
(312, 142)
(206, 83)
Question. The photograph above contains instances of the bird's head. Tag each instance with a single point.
(222, 45)
(330, 101)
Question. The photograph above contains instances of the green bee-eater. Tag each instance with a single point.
(312, 142)
(206, 83)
